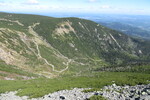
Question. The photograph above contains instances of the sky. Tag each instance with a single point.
(137, 7)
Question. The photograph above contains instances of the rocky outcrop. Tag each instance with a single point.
(138, 92)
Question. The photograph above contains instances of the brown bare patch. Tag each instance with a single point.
(64, 28)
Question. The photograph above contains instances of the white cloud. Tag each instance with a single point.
(92, 0)
(2, 4)
(105, 7)
(32, 2)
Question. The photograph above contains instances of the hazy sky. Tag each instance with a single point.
(77, 6)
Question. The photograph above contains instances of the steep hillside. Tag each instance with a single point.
(52, 46)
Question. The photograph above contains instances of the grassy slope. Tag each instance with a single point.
(94, 49)
(40, 87)
(89, 45)
(13, 71)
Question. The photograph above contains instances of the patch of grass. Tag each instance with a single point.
(97, 97)
(52, 58)
(140, 69)
(129, 68)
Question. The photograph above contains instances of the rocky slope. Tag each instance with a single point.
(113, 92)
(51, 46)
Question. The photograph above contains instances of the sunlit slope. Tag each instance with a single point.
(53, 46)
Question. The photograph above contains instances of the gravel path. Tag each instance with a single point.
(39, 54)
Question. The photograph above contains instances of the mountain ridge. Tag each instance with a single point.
(50, 46)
